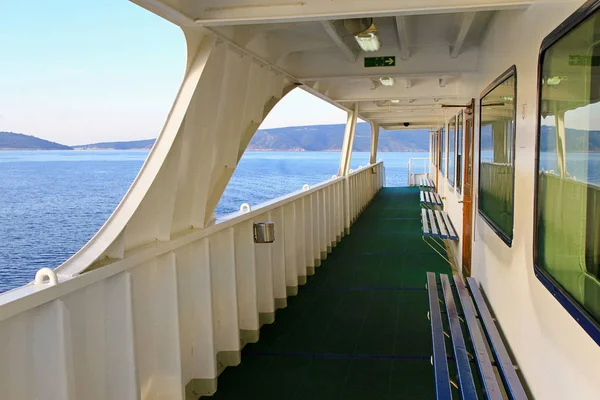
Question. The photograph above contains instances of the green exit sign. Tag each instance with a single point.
(387, 61)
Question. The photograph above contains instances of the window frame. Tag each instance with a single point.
(451, 179)
(443, 152)
(433, 150)
(459, 179)
(511, 71)
(439, 149)
(581, 316)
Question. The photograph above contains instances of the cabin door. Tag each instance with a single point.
(467, 235)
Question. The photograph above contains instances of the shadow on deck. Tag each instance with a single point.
(358, 329)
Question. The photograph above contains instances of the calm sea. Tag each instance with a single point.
(52, 202)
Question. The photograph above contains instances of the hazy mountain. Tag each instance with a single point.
(297, 138)
(133, 145)
(18, 141)
(330, 138)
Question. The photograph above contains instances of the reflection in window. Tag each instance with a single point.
(443, 150)
(459, 146)
(496, 159)
(568, 189)
(451, 150)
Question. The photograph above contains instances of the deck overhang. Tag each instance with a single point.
(435, 45)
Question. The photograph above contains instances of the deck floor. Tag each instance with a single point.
(358, 329)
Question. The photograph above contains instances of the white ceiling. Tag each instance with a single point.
(435, 44)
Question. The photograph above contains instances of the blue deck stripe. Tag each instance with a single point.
(336, 356)
(440, 363)
(359, 288)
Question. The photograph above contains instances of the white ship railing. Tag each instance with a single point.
(170, 315)
(417, 168)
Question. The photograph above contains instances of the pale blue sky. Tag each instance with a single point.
(82, 71)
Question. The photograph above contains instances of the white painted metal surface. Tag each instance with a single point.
(145, 325)
(163, 290)
(555, 355)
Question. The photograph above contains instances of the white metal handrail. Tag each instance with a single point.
(174, 311)
(421, 168)
(421, 160)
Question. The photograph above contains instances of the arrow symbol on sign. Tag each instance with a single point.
(389, 61)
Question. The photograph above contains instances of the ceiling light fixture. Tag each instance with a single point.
(387, 81)
(365, 33)
(395, 101)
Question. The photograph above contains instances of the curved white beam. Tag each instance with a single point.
(467, 21)
(349, 53)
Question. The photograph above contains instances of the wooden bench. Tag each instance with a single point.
(437, 225)
(497, 375)
(426, 184)
(430, 199)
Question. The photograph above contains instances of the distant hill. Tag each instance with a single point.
(296, 138)
(330, 138)
(133, 145)
(18, 141)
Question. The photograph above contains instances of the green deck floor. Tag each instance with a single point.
(358, 329)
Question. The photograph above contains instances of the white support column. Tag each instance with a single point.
(374, 142)
(345, 163)
(348, 141)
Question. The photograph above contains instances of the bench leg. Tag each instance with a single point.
(440, 245)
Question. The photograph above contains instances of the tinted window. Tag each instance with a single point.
(568, 182)
(496, 158)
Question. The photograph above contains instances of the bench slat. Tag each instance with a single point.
(484, 363)
(434, 230)
(424, 221)
(505, 365)
(428, 197)
(421, 196)
(450, 228)
(465, 376)
(440, 362)
(438, 199)
(441, 224)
